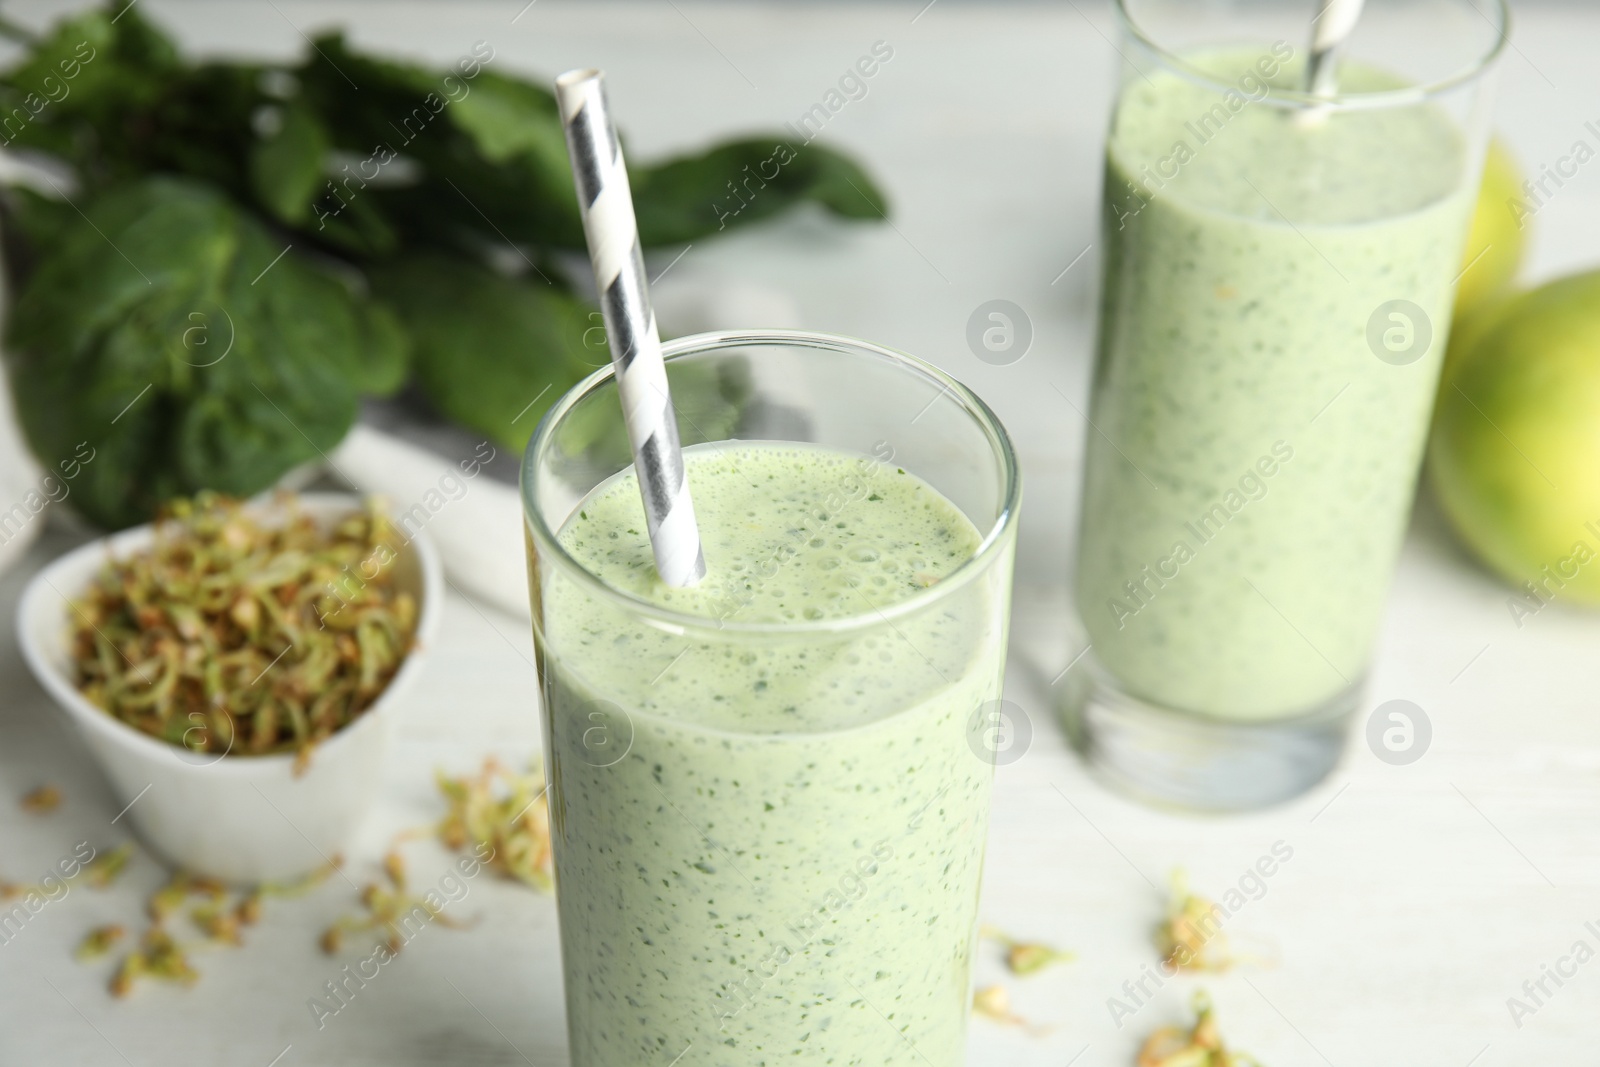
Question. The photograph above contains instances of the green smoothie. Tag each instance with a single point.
(768, 835)
(1252, 462)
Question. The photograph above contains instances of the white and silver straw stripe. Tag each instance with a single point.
(1335, 19)
(606, 204)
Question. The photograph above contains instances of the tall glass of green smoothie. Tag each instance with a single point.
(769, 791)
(1278, 270)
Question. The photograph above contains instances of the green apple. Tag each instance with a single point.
(1495, 246)
(1515, 456)
(1468, 328)
(1495, 242)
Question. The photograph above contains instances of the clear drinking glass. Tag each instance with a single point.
(1278, 275)
(754, 885)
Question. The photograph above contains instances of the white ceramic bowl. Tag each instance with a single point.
(243, 819)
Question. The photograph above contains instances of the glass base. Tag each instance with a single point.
(1178, 759)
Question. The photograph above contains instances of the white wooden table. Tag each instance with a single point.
(1418, 899)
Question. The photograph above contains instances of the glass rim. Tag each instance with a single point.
(989, 548)
(1499, 19)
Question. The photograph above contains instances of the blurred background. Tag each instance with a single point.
(440, 302)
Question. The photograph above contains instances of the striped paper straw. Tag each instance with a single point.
(606, 203)
(1335, 19)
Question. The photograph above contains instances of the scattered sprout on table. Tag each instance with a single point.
(1025, 958)
(502, 816)
(102, 871)
(248, 910)
(99, 873)
(505, 812)
(994, 1003)
(44, 799)
(178, 889)
(1173, 1046)
(387, 909)
(294, 887)
(98, 942)
(1190, 938)
(220, 917)
(394, 865)
(158, 956)
(218, 922)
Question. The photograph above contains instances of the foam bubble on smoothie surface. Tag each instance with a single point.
(791, 534)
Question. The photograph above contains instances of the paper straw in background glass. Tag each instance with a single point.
(1329, 30)
(606, 203)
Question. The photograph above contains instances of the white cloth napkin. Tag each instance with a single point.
(474, 521)
(20, 476)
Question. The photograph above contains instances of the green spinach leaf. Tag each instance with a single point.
(491, 352)
(744, 181)
(494, 162)
(172, 333)
(286, 167)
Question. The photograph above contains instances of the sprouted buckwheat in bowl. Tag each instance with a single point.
(231, 666)
(233, 633)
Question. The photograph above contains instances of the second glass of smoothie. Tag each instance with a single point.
(1278, 277)
(769, 792)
